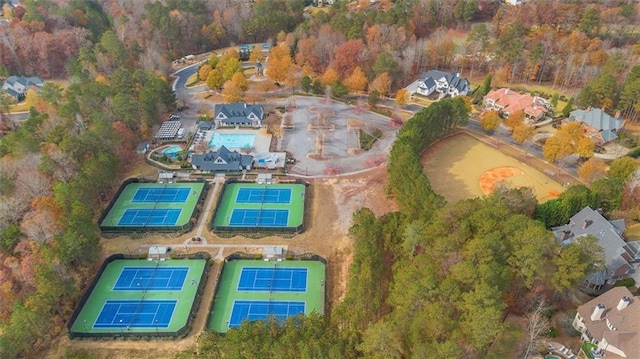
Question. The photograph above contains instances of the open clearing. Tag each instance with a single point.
(460, 166)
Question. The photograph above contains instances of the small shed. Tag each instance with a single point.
(273, 253)
(157, 253)
(264, 178)
(166, 177)
(142, 148)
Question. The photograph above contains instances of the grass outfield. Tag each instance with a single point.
(228, 202)
(124, 201)
(227, 289)
(454, 167)
(103, 291)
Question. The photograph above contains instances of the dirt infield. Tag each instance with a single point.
(461, 167)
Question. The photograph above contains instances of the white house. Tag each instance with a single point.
(238, 114)
(443, 82)
(612, 323)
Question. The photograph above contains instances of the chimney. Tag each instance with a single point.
(586, 223)
(623, 303)
(598, 311)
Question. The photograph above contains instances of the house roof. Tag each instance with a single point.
(609, 235)
(626, 322)
(511, 101)
(453, 79)
(221, 160)
(205, 125)
(596, 118)
(238, 112)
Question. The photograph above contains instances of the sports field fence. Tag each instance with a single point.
(144, 228)
(152, 332)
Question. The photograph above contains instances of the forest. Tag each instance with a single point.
(434, 277)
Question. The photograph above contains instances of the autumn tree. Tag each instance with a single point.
(357, 81)
(203, 72)
(279, 64)
(592, 169)
(231, 92)
(515, 119)
(215, 79)
(402, 96)
(256, 54)
(346, 58)
(240, 81)
(490, 120)
(381, 84)
(329, 77)
(622, 168)
(566, 141)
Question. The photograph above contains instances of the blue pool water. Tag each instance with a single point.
(231, 140)
(171, 150)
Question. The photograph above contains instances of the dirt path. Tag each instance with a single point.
(332, 203)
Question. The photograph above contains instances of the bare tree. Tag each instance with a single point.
(537, 326)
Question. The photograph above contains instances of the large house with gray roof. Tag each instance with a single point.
(17, 86)
(621, 257)
(238, 114)
(447, 83)
(612, 323)
(597, 124)
(222, 160)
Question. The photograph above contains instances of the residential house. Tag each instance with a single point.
(238, 114)
(17, 86)
(222, 160)
(597, 124)
(447, 83)
(612, 323)
(506, 102)
(621, 257)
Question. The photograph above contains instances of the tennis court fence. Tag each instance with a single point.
(152, 332)
(106, 228)
(254, 229)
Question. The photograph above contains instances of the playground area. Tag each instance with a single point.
(257, 290)
(320, 135)
(461, 167)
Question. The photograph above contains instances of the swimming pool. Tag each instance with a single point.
(551, 357)
(231, 140)
(171, 150)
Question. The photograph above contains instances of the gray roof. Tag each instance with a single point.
(453, 79)
(17, 86)
(205, 125)
(617, 252)
(596, 118)
(221, 160)
(238, 112)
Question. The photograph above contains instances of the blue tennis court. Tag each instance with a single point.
(146, 217)
(261, 279)
(261, 310)
(151, 278)
(264, 195)
(258, 217)
(173, 194)
(135, 314)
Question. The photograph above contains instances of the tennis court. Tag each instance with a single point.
(255, 290)
(154, 217)
(273, 279)
(252, 207)
(138, 296)
(136, 314)
(261, 310)
(145, 278)
(262, 218)
(148, 194)
(264, 195)
(153, 206)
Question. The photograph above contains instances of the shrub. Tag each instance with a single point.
(552, 333)
(257, 256)
(142, 256)
(289, 256)
(635, 153)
